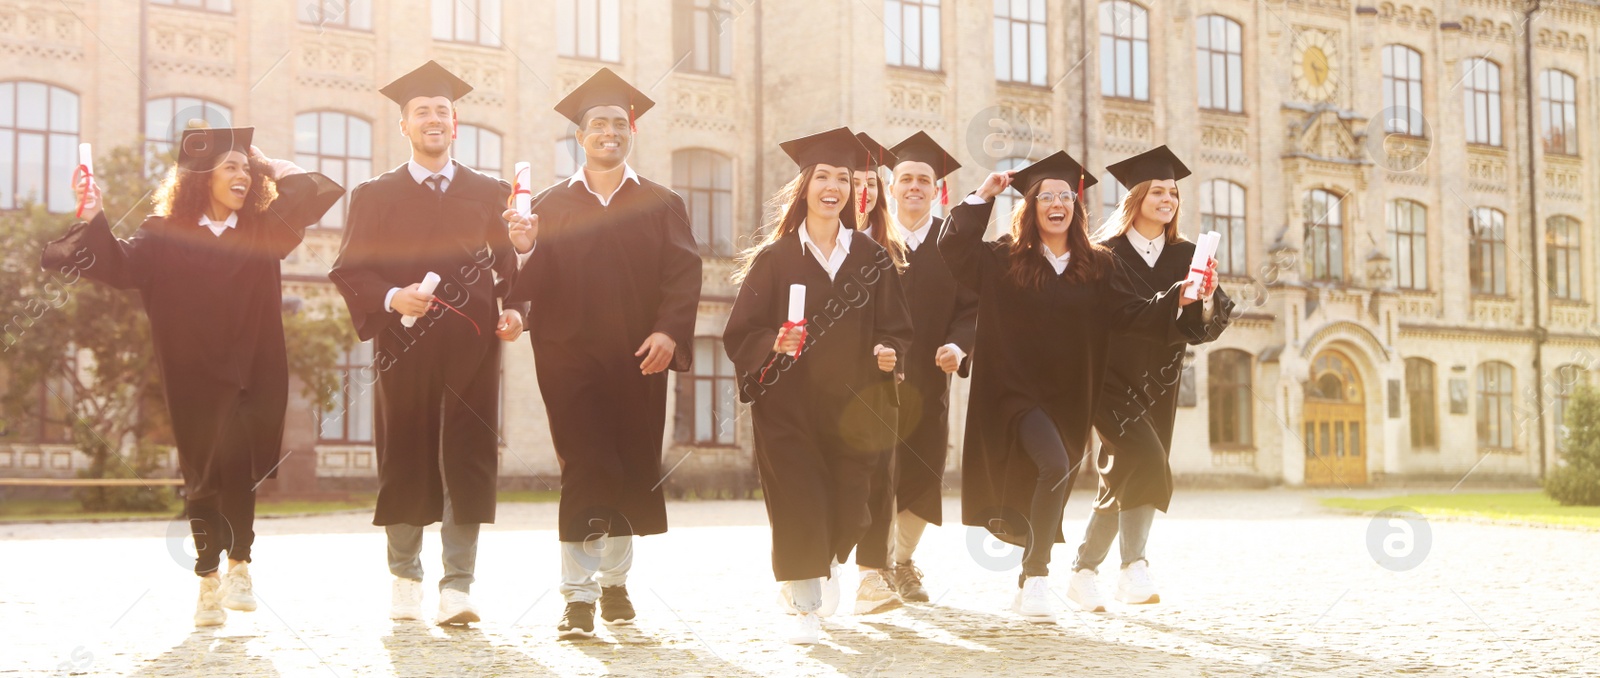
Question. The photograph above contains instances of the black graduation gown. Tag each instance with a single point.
(1140, 402)
(215, 305)
(602, 279)
(1043, 349)
(942, 312)
(438, 382)
(823, 421)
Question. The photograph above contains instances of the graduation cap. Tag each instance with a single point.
(922, 148)
(199, 148)
(1155, 164)
(877, 153)
(605, 88)
(428, 80)
(836, 147)
(1057, 165)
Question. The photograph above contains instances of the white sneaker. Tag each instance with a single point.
(1085, 591)
(830, 591)
(1033, 601)
(405, 599)
(238, 593)
(806, 629)
(208, 611)
(455, 607)
(875, 595)
(1136, 587)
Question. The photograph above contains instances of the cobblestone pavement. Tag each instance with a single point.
(1253, 584)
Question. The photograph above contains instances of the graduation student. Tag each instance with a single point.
(1049, 302)
(1140, 399)
(614, 281)
(438, 380)
(944, 315)
(820, 378)
(875, 594)
(207, 268)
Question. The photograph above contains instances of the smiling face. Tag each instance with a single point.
(1160, 202)
(429, 123)
(1055, 213)
(230, 181)
(913, 187)
(828, 192)
(870, 180)
(605, 136)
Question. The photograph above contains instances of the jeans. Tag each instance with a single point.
(908, 529)
(1042, 442)
(588, 565)
(460, 550)
(1134, 526)
(805, 594)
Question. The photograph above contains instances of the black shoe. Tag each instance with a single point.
(615, 608)
(907, 581)
(578, 622)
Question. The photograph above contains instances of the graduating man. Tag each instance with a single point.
(436, 355)
(614, 281)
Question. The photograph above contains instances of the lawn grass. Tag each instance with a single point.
(1510, 507)
(35, 510)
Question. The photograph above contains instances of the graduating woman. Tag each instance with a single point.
(819, 372)
(206, 266)
(1140, 400)
(1049, 302)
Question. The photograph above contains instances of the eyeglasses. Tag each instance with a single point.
(1065, 196)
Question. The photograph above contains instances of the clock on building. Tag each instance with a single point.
(1316, 70)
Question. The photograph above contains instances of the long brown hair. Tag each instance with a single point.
(786, 211)
(1028, 268)
(1121, 220)
(185, 194)
(876, 225)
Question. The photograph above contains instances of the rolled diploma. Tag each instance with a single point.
(430, 282)
(1204, 249)
(524, 196)
(797, 303)
(86, 157)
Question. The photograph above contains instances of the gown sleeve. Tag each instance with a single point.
(302, 200)
(961, 242)
(750, 334)
(1154, 317)
(355, 272)
(680, 282)
(1197, 329)
(963, 330)
(90, 249)
(891, 316)
(504, 255)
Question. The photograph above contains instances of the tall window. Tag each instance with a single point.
(706, 400)
(1222, 210)
(208, 5)
(1228, 392)
(350, 14)
(1487, 258)
(1482, 86)
(474, 21)
(478, 148)
(1422, 398)
(38, 145)
(569, 157)
(589, 29)
(1111, 192)
(705, 180)
(911, 33)
(337, 145)
(1000, 218)
(1124, 50)
(701, 28)
(1495, 425)
(166, 118)
(1408, 243)
(1402, 90)
(1219, 63)
(1324, 235)
(1565, 382)
(1563, 265)
(1558, 111)
(349, 420)
(1019, 41)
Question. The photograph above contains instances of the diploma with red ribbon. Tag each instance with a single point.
(796, 320)
(521, 196)
(1204, 249)
(86, 166)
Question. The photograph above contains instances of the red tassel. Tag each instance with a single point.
(454, 123)
(863, 197)
(632, 128)
(1080, 186)
(944, 193)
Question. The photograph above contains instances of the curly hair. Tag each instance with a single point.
(1028, 269)
(185, 194)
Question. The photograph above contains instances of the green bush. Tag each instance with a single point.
(126, 498)
(1576, 481)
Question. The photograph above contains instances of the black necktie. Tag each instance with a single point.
(437, 183)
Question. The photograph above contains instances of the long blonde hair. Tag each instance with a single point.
(786, 211)
(1122, 218)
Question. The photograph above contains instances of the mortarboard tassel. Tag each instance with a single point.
(944, 186)
(455, 123)
(1080, 185)
(632, 128)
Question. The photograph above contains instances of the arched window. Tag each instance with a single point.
(1558, 111)
(38, 145)
(1222, 210)
(1421, 395)
(1487, 264)
(1408, 243)
(1111, 192)
(1000, 218)
(337, 145)
(1563, 258)
(589, 29)
(1219, 63)
(1481, 82)
(1019, 42)
(165, 119)
(1324, 235)
(1229, 385)
(1496, 429)
(478, 148)
(706, 408)
(705, 180)
(1402, 90)
(350, 418)
(1564, 383)
(911, 33)
(1124, 50)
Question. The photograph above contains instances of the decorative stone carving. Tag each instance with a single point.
(42, 31)
(1502, 312)
(202, 48)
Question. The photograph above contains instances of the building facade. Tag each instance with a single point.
(1407, 192)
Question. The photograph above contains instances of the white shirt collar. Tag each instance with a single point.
(216, 228)
(1059, 263)
(421, 174)
(914, 237)
(1149, 250)
(833, 261)
(581, 178)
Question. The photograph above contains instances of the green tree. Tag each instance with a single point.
(1576, 482)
